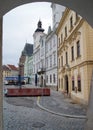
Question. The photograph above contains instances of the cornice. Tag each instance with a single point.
(72, 36)
(90, 62)
(63, 69)
(75, 31)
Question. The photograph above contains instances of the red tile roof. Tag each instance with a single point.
(13, 67)
(5, 68)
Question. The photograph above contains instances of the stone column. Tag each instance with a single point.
(89, 121)
(1, 84)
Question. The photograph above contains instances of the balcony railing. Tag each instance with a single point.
(41, 71)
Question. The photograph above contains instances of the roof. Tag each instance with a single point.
(28, 50)
(5, 68)
(12, 67)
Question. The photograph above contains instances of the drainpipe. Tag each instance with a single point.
(1, 76)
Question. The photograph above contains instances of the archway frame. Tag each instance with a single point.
(84, 8)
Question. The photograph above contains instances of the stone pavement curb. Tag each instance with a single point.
(59, 114)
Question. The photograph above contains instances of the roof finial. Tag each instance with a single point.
(39, 24)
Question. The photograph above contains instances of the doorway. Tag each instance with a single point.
(66, 84)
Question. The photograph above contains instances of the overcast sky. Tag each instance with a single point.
(18, 27)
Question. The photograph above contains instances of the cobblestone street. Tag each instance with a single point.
(22, 113)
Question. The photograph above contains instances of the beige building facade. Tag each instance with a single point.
(75, 56)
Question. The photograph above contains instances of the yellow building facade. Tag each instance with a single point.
(75, 56)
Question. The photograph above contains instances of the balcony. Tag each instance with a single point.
(41, 71)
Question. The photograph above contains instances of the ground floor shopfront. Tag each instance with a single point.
(75, 81)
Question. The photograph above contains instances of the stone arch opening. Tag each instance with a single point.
(76, 5)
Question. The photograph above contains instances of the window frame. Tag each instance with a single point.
(78, 48)
(72, 53)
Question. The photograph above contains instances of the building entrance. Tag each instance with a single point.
(66, 84)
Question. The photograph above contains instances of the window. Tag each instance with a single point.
(50, 44)
(54, 42)
(47, 62)
(72, 52)
(54, 58)
(54, 79)
(79, 83)
(71, 22)
(46, 48)
(62, 61)
(73, 87)
(47, 78)
(76, 16)
(65, 31)
(59, 41)
(59, 62)
(66, 58)
(50, 78)
(42, 43)
(78, 48)
(59, 83)
(61, 38)
(50, 60)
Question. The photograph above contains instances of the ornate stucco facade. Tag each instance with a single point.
(75, 56)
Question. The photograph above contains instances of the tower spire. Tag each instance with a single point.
(39, 27)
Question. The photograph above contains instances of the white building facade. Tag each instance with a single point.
(51, 48)
(38, 62)
(45, 51)
(51, 60)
